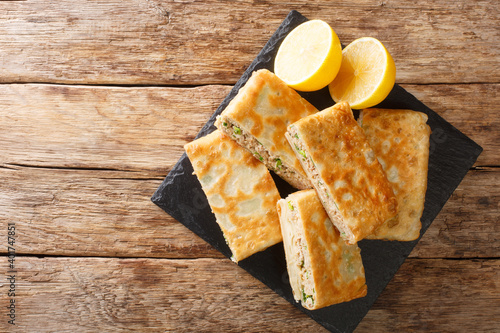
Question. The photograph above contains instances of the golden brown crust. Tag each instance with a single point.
(240, 191)
(348, 169)
(400, 140)
(263, 108)
(337, 269)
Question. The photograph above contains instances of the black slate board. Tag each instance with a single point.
(451, 156)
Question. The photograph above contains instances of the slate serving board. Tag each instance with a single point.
(451, 156)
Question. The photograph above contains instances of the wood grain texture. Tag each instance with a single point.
(472, 109)
(79, 163)
(214, 295)
(109, 213)
(467, 227)
(145, 128)
(102, 127)
(207, 42)
(146, 295)
(92, 213)
(438, 296)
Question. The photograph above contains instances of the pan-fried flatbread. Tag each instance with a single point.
(322, 268)
(257, 118)
(400, 140)
(343, 169)
(240, 191)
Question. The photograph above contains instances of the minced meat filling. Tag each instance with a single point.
(313, 173)
(302, 259)
(272, 162)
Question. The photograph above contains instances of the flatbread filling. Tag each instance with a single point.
(271, 161)
(257, 117)
(342, 167)
(323, 269)
(322, 191)
(299, 270)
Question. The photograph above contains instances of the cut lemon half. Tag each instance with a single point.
(366, 76)
(309, 57)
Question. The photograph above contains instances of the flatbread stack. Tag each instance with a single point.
(359, 179)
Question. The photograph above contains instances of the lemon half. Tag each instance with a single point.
(366, 76)
(309, 57)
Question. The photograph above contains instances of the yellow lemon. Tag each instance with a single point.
(309, 57)
(366, 76)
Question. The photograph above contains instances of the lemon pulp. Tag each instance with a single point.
(366, 76)
(309, 57)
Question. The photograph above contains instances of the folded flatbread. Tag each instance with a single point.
(343, 169)
(257, 118)
(400, 140)
(240, 191)
(323, 269)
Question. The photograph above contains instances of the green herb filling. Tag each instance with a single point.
(278, 164)
(305, 297)
(336, 205)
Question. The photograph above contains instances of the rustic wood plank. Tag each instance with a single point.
(177, 42)
(472, 109)
(439, 296)
(79, 163)
(146, 295)
(468, 224)
(153, 295)
(92, 213)
(109, 213)
(102, 127)
(145, 128)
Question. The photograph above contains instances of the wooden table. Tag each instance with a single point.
(98, 98)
